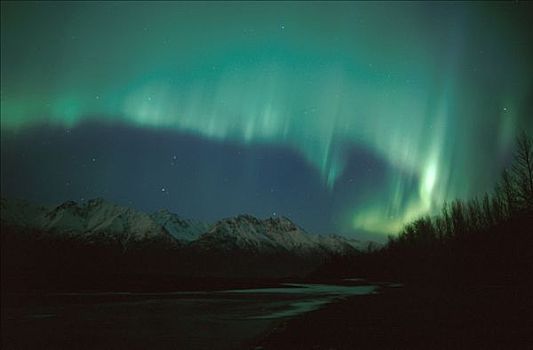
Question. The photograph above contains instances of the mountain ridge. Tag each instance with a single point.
(101, 238)
(99, 216)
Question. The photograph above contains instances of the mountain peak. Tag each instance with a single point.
(99, 218)
(164, 212)
(282, 222)
(180, 229)
(246, 218)
(95, 202)
(67, 204)
(274, 234)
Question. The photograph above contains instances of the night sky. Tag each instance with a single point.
(350, 118)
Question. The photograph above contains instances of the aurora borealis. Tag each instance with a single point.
(347, 117)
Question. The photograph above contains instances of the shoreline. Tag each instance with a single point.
(488, 317)
(187, 320)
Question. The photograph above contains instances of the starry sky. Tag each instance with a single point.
(350, 118)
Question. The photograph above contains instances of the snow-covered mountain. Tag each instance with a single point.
(99, 219)
(236, 247)
(181, 229)
(94, 220)
(248, 233)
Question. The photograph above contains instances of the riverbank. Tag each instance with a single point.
(204, 319)
(489, 317)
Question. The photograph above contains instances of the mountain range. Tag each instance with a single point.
(101, 237)
(100, 218)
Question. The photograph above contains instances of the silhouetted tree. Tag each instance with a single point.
(509, 191)
(458, 218)
(472, 236)
(440, 227)
(448, 228)
(475, 220)
(522, 171)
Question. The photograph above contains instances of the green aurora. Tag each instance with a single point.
(438, 91)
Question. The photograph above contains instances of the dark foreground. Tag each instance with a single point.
(192, 320)
(491, 317)
(398, 317)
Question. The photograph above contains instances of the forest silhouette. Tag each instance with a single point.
(481, 240)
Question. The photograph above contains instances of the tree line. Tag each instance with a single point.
(481, 240)
(512, 197)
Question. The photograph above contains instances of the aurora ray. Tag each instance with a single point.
(432, 90)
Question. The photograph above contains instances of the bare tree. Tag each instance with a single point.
(459, 219)
(508, 188)
(522, 171)
(448, 227)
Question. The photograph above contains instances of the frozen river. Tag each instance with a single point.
(181, 320)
